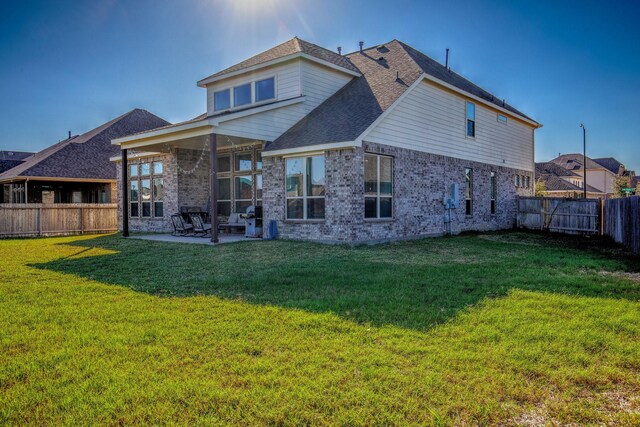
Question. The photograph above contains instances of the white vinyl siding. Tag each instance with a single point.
(433, 120)
(293, 79)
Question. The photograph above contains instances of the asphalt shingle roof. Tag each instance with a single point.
(85, 156)
(387, 72)
(609, 163)
(290, 47)
(574, 161)
(10, 159)
(556, 183)
(550, 168)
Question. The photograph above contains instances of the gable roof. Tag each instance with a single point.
(10, 159)
(388, 71)
(610, 163)
(574, 161)
(556, 183)
(290, 47)
(85, 156)
(550, 168)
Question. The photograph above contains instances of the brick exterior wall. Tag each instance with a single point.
(170, 201)
(420, 182)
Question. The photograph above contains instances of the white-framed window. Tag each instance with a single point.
(222, 100)
(468, 193)
(245, 94)
(305, 187)
(239, 181)
(265, 89)
(527, 181)
(494, 192)
(146, 189)
(517, 181)
(471, 119)
(378, 186)
(242, 95)
(502, 118)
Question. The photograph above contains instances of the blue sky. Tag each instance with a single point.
(72, 65)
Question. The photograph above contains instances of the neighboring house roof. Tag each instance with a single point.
(574, 161)
(10, 159)
(387, 72)
(550, 168)
(290, 47)
(610, 163)
(85, 156)
(635, 181)
(556, 183)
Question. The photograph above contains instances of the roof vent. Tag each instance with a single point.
(69, 135)
(361, 43)
(383, 49)
(340, 50)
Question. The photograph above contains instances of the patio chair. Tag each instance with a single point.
(233, 223)
(179, 227)
(199, 227)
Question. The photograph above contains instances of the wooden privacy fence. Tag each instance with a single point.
(622, 221)
(571, 216)
(57, 219)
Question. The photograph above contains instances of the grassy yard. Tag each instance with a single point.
(500, 328)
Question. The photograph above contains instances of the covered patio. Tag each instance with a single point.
(186, 168)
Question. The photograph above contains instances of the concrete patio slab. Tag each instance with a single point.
(168, 238)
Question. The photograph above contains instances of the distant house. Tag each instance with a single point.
(75, 170)
(11, 159)
(562, 182)
(601, 172)
(351, 148)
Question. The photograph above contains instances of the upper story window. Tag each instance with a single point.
(242, 95)
(245, 94)
(222, 100)
(265, 89)
(471, 119)
(502, 118)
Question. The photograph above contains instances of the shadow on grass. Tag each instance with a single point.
(415, 284)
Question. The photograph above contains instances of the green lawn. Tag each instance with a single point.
(500, 328)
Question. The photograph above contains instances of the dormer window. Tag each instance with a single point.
(265, 89)
(222, 100)
(242, 95)
(245, 94)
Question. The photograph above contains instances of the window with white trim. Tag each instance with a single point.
(146, 189)
(305, 187)
(502, 118)
(378, 186)
(239, 181)
(471, 119)
(245, 94)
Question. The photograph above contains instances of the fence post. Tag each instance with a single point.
(40, 221)
(542, 211)
(81, 220)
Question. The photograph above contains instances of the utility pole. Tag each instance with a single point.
(584, 158)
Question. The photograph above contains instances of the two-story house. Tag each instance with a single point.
(601, 173)
(350, 148)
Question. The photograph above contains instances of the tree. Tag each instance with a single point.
(540, 189)
(618, 184)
